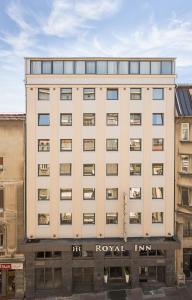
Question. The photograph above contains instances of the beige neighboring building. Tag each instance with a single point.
(12, 153)
(100, 174)
(183, 179)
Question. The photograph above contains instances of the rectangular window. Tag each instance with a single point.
(88, 144)
(135, 169)
(1, 199)
(144, 67)
(48, 278)
(36, 67)
(43, 94)
(65, 194)
(66, 218)
(1, 239)
(66, 119)
(111, 144)
(43, 219)
(89, 94)
(135, 93)
(68, 67)
(157, 217)
(43, 119)
(111, 169)
(186, 196)
(112, 119)
(66, 94)
(43, 170)
(135, 193)
(111, 218)
(135, 218)
(134, 67)
(90, 67)
(43, 145)
(65, 169)
(102, 67)
(155, 67)
(46, 67)
(158, 94)
(88, 194)
(135, 119)
(112, 194)
(185, 163)
(112, 67)
(135, 144)
(184, 132)
(123, 67)
(158, 119)
(157, 169)
(89, 170)
(157, 144)
(88, 119)
(43, 194)
(112, 94)
(1, 163)
(80, 67)
(66, 145)
(88, 218)
(58, 67)
(157, 193)
(166, 67)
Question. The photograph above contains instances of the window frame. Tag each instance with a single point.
(157, 164)
(48, 145)
(134, 114)
(48, 194)
(86, 115)
(84, 142)
(162, 217)
(115, 216)
(40, 90)
(108, 166)
(68, 222)
(135, 93)
(107, 119)
(70, 142)
(162, 193)
(45, 214)
(162, 119)
(43, 114)
(84, 165)
(114, 197)
(66, 174)
(139, 164)
(160, 144)
(66, 198)
(66, 114)
(140, 144)
(93, 190)
(114, 140)
(163, 94)
(69, 94)
(84, 94)
(86, 214)
(135, 198)
(138, 216)
(48, 170)
(110, 90)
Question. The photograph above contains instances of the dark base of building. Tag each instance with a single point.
(67, 266)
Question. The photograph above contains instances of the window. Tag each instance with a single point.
(1, 163)
(66, 94)
(88, 119)
(186, 196)
(157, 144)
(135, 119)
(112, 193)
(48, 254)
(65, 169)
(43, 145)
(43, 120)
(112, 94)
(135, 218)
(112, 67)
(134, 67)
(66, 119)
(166, 67)
(144, 67)
(157, 217)
(1, 237)
(111, 169)
(135, 144)
(66, 219)
(88, 144)
(46, 67)
(43, 94)
(123, 67)
(89, 94)
(111, 218)
(43, 170)
(112, 119)
(155, 67)
(135, 169)
(36, 67)
(157, 169)
(88, 194)
(66, 145)
(68, 67)
(101, 67)
(90, 67)
(89, 170)
(184, 132)
(65, 194)
(135, 93)
(43, 194)
(135, 193)
(58, 67)
(186, 163)
(158, 94)
(1, 199)
(80, 67)
(158, 119)
(111, 144)
(48, 278)
(43, 219)
(157, 192)
(88, 218)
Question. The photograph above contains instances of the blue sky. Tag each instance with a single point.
(89, 28)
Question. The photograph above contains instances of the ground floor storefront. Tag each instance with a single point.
(64, 267)
(11, 278)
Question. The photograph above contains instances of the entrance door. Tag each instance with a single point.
(10, 283)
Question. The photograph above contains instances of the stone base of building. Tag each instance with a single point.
(67, 266)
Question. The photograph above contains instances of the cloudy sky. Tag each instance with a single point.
(89, 28)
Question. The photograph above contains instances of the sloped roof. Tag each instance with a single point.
(183, 100)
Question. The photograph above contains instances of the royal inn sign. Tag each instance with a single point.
(117, 248)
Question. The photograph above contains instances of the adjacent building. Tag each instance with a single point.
(183, 178)
(100, 174)
(12, 158)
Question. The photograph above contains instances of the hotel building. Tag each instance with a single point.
(183, 175)
(100, 174)
(12, 158)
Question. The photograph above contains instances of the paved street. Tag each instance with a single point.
(181, 293)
